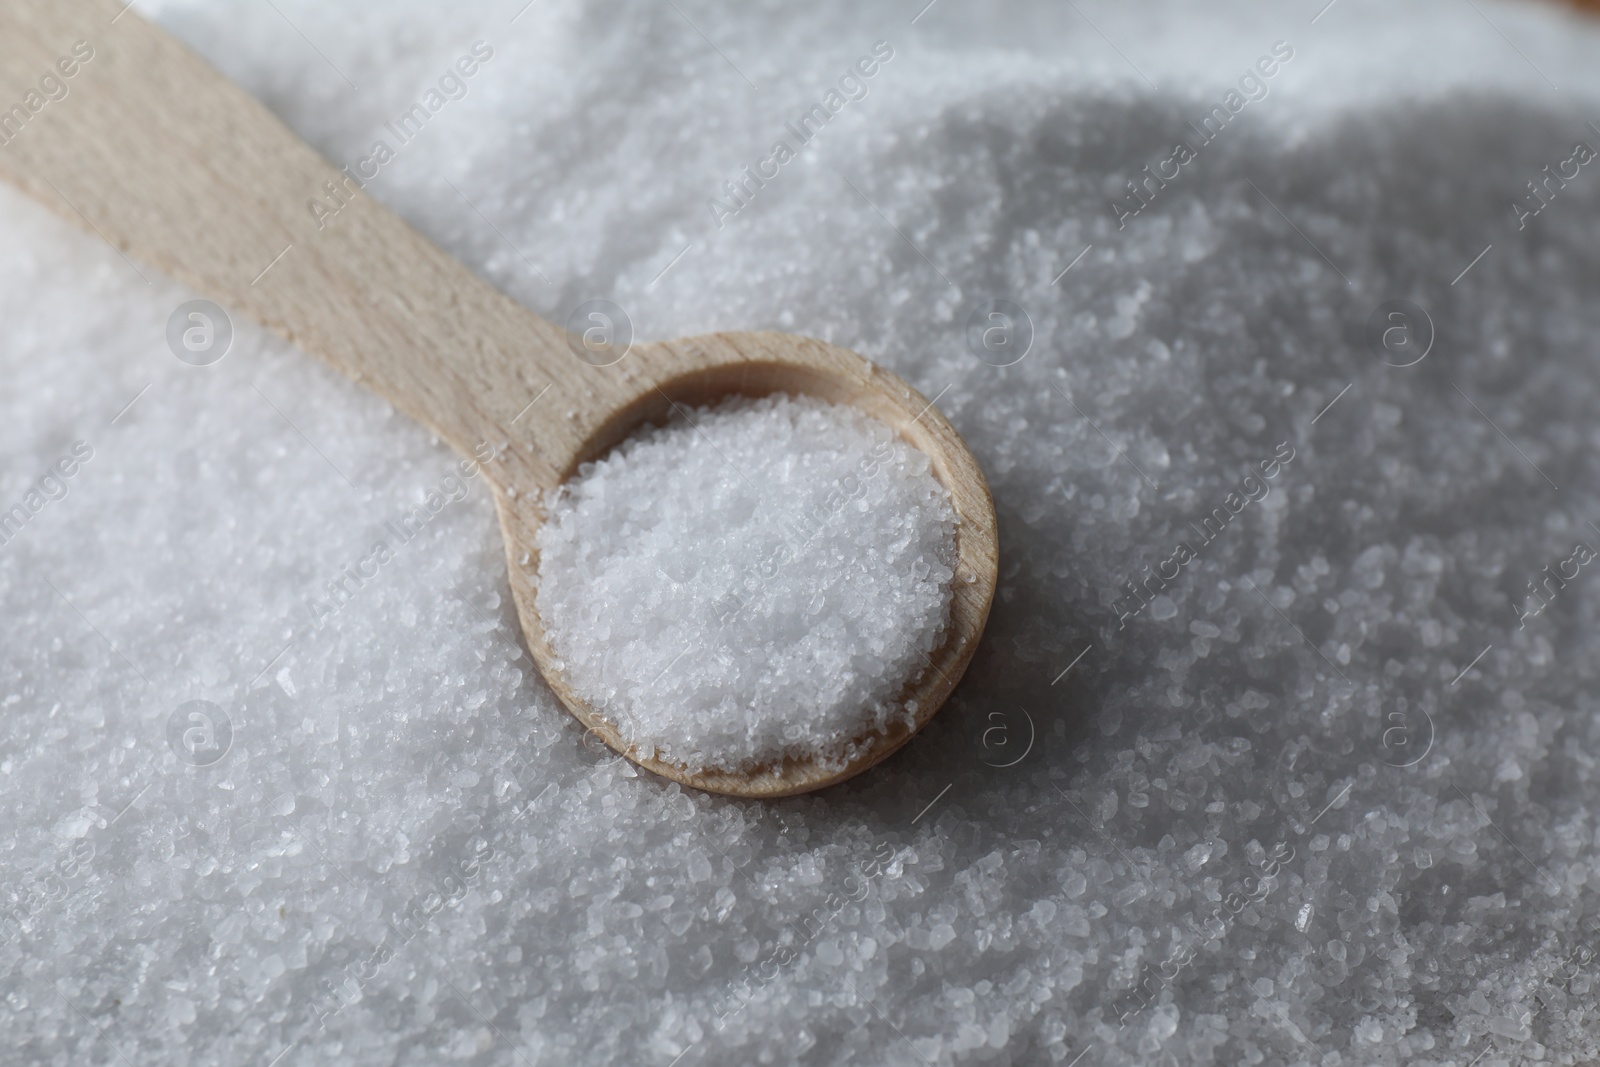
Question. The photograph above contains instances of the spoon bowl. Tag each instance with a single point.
(174, 165)
(702, 370)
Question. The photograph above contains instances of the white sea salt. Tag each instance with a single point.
(751, 582)
(489, 885)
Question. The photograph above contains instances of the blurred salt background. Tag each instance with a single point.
(1326, 799)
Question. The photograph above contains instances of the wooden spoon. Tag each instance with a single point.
(176, 166)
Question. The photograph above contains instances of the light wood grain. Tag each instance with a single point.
(182, 170)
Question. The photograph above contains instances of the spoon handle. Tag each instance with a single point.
(178, 168)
